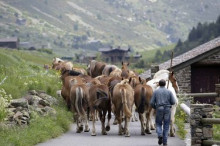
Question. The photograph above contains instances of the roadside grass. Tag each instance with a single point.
(24, 71)
(216, 127)
(39, 130)
(180, 119)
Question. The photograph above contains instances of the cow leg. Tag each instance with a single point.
(127, 133)
(152, 115)
(102, 118)
(141, 118)
(148, 118)
(109, 118)
(172, 119)
(119, 118)
(93, 123)
(86, 124)
(76, 117)
(97, 116)
(115, 122)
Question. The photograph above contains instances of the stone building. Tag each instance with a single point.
(114, 54)
(198, 70)
(9, 43)
(117, 55)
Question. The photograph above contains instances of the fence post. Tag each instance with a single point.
(154, 69)
(200, 131)
(217, 90)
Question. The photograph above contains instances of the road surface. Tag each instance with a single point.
(71, 138)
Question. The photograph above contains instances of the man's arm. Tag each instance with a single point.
(172, 99)
(153, 101)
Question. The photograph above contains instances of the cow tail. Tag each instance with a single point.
(126, 110)
(141, 107)
(79, 102)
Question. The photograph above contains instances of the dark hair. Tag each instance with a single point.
(162, 82)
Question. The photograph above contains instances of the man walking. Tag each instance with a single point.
(162, 101)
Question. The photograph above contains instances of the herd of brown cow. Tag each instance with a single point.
(105, 89)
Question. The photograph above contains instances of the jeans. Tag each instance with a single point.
(163, 119)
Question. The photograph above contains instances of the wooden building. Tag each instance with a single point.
(197, 71)
(9, 43)
(114, 55)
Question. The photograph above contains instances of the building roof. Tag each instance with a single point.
(114, 49)
(188, 58)
(13, 39)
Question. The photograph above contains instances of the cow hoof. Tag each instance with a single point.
(172, 135)
(142, 133)
(127, 135)
(107, 128)
(93, 134)
(147, 131)
(120, 133)
(78, 131)
(152, 128)
(81, 128)
(104, 133)
(87, 130)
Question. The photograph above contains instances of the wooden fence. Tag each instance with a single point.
(201, 120)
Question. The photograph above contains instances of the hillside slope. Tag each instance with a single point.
(71, 24)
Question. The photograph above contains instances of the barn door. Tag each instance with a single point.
(203, 80)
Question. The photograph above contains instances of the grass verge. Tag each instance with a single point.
(180, 119)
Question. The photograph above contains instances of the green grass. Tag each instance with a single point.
(25, 72)
(216, 127)
(180, 119)
(39, 130)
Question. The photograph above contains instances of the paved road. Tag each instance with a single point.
(71, 138)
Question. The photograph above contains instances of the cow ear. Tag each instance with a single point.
(130, 80)
(128, 64)
(140, 79)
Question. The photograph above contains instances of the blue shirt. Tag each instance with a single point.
(162, 97)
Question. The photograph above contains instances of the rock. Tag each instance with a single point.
(19, 102)
(17, 115)
(11, 110)
(49, 111)
(34, 100)
(48, 98)
(59, 93)
(44, 103)
(207, 132)
(33, 92)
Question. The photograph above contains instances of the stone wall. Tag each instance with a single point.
(183, 77)
(200, 131)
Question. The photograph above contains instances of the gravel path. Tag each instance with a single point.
(71, 138)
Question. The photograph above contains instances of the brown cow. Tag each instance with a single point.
(69, 81)
(123, 100)
(95, 68)
(125, 70)
(142, 97)
(79, 106)
(111, 84)
(99, 101)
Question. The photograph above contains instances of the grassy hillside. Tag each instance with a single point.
(142, 24)
(24, 71)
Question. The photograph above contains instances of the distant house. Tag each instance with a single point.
(67, 58)
(114, 54)
(197, 71)
(133, 58)
(9, 43)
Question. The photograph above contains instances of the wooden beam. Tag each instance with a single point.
(211, 120)
(211, 94)
(185, 108)
(210, 142)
